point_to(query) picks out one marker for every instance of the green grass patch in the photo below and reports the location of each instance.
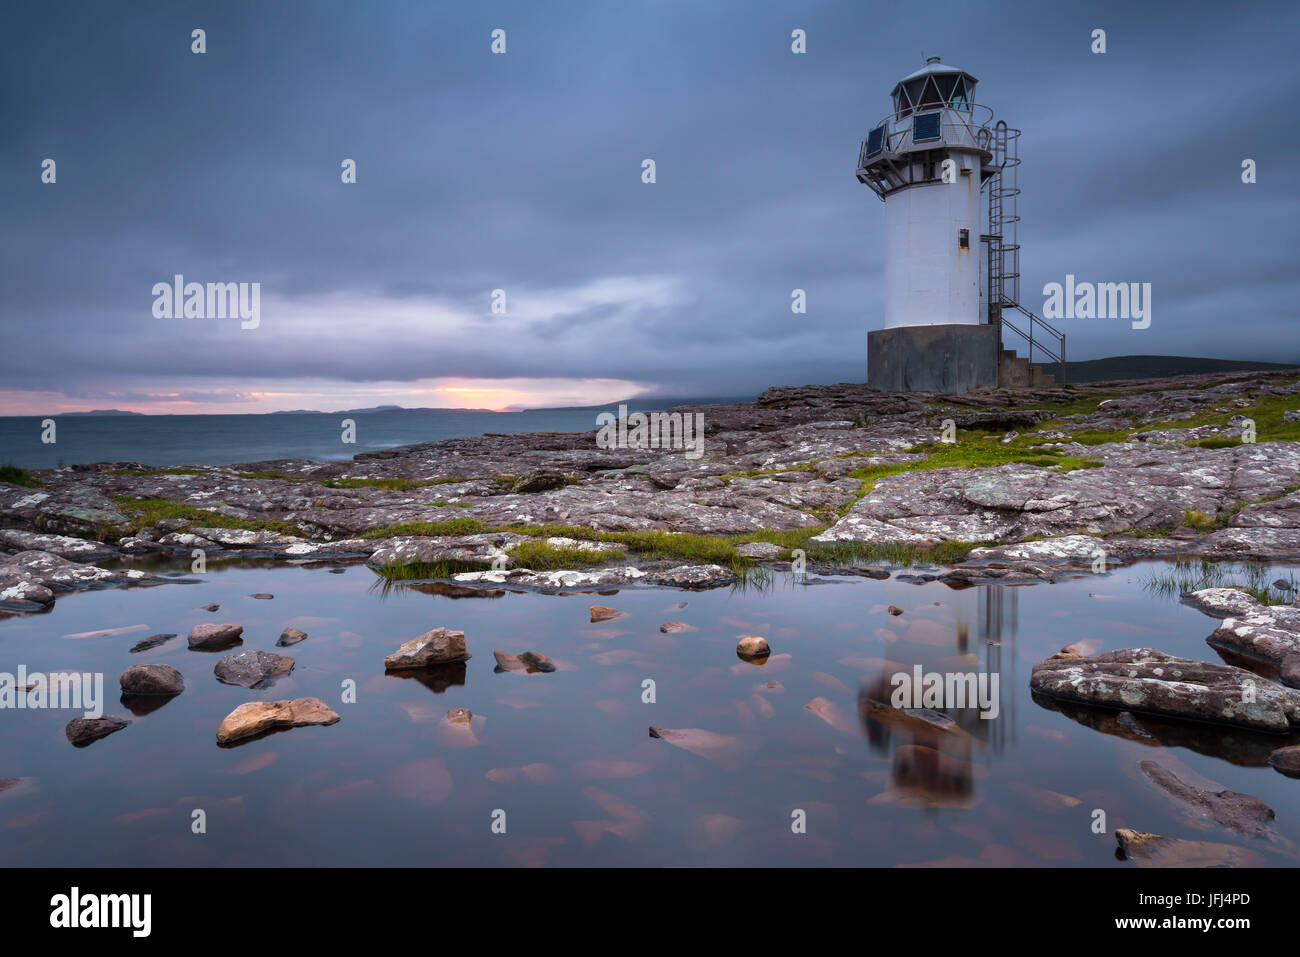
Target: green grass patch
(972, 450)
(1082, 436)
(541, 557)
(453, 526)
(854, 553)
(1267, 413)
(687, 547)
(144, 512)
(417, 571)
(1203, 521)
(11, 474)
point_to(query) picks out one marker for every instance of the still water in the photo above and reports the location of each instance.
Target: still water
(565, 758)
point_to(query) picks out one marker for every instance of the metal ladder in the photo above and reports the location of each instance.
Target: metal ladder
(1004, 250)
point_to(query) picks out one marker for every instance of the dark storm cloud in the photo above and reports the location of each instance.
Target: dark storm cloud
(522, 172)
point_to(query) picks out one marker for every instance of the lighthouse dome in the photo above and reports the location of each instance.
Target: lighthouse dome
(934, 86)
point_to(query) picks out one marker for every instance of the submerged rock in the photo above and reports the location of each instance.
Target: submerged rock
(84, 731)
(456, 729)
(1286, 760)
(439, 646)
(290, 636)
(1153, 850)
(255, 717)
(252, 669)
(152, 680)
(153, 641)
(730, 751)
(215, 637)
(1144, 679)
(833, 715)
(1241, 813)
(528, 661)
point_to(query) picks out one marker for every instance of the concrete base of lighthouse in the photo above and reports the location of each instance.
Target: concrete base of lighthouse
(952, 358)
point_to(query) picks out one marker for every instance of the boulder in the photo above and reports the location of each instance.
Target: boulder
(84, 731)
(1268, 633)
(437, 647)
(1148, 680)
(256, 717)
(151, 680)
(252, 669)
(215, 637)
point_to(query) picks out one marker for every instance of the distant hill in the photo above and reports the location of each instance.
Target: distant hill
(1154, 367)
(104, 412)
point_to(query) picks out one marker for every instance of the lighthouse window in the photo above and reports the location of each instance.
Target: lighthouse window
(963, 239)
(925, 126)
(930, 96)
(876, 140)
(959, 98)
(912, 90)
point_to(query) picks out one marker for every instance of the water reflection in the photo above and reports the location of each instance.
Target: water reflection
(1238, 746)
(934, 750)
(437, 678)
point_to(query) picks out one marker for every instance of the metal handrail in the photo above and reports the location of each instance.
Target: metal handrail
(1057, 357)
(893, 139)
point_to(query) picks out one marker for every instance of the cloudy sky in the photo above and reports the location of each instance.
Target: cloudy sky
(522, 172)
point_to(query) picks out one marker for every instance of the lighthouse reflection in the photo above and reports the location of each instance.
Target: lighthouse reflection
(935, 707)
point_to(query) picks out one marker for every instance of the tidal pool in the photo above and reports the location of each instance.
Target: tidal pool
(565, 760)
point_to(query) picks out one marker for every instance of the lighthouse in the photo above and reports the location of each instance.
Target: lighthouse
(946, 174)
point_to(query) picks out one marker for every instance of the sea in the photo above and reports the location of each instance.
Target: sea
(182, 440)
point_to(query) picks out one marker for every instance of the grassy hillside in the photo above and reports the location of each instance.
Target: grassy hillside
(1150, 367)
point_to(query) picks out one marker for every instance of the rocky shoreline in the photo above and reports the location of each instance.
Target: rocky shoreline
(1042, 482)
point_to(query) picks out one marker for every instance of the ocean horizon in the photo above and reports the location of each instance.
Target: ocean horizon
(169, 441)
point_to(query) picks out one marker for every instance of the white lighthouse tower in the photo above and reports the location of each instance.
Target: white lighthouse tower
(948, 281)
